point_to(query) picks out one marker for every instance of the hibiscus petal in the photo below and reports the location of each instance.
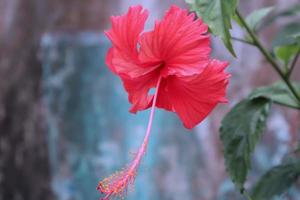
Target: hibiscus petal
(194, 97)
(163, 98)
(122, 58)
(180, 41)
(138, 89)
(126, 30)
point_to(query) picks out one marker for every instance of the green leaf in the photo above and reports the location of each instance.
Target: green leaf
(240, 131)
(217, 14)
(257, 16)
(286, 43)
(199, 6)
(286, 53)
(287, 35)
(276, 181)
(278, 93)
(289, 12)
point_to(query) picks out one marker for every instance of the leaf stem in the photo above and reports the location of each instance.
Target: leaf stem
(291, 68)
(242, 40)
(246, 195)
(269, 58)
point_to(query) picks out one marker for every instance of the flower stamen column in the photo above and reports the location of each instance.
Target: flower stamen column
(118, 183)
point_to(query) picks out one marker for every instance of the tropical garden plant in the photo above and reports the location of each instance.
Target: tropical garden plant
(243, 126)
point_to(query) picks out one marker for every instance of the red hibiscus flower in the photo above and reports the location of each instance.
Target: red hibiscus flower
(174, 58)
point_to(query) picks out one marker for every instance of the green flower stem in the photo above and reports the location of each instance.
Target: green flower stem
(293, 64)
(246, 195)
(269, 58)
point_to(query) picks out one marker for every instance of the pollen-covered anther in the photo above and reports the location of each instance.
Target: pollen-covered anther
(117, 183)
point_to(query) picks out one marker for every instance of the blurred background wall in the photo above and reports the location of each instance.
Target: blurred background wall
(63, 116)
